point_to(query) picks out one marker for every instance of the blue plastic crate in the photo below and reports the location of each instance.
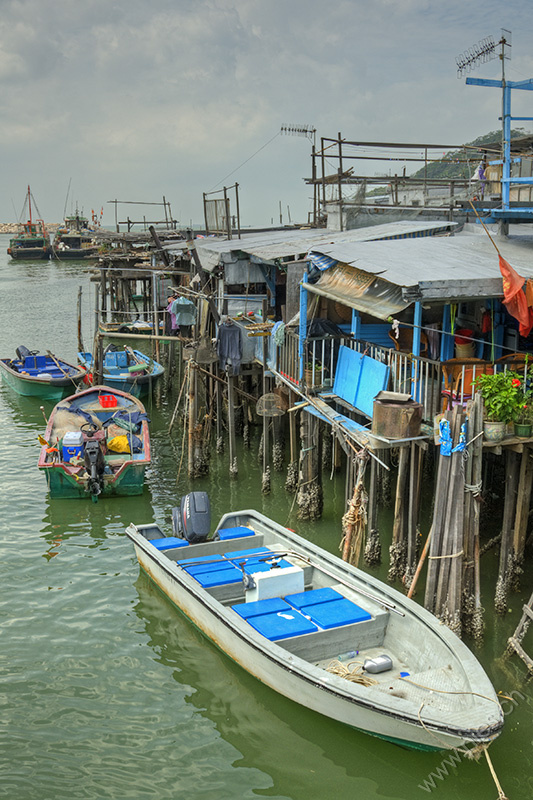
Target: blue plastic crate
(168, 543)
(313, 597)
(336, 613)
(282, 624)
(235, 533)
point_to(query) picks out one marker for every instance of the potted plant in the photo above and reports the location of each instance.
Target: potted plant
(313, 373)
(503, 394)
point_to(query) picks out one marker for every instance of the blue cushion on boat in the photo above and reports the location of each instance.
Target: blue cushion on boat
(282, 624)
(235, 533)
(254, 551)
(168, 542)
(218, 577)
(336, 612)
(184, 561)
(260, 607)
(210, 566)
(313, 597)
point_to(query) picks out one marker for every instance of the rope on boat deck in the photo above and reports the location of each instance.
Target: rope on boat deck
(355, 675)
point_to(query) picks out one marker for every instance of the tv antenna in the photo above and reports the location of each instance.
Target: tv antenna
(482, 52)
(309, 131)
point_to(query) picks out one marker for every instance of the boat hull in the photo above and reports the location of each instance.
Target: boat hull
(61, 484)
(35, 386)
(135, 384)
(75, 253)
(289, 675)
(30, 253)
(122, 473)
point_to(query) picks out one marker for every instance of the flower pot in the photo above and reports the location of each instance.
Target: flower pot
(312, 377)
(493, 431)
(522, 429)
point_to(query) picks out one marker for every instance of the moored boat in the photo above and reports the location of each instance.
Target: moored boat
(320, 631)
(44, 376)
(74, 239)
(128, 370)
(33, 242)
(96, 443)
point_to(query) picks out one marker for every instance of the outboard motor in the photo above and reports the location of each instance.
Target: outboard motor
(23, 352)
(94, 459)
(192, 520)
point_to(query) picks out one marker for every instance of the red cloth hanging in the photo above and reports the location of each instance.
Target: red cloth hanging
(514, 299)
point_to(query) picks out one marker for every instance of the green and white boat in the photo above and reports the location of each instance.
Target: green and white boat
(96, 444)
(44, 376)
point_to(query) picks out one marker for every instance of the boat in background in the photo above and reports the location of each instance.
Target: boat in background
(33, 242)
(128, 370)
(44, 376)
(96, 444)
(75, 239)
(318, 630)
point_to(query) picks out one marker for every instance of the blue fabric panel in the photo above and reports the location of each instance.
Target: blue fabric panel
(168, 543)
(282, 625)
(374, 379)
(312, 597)
(219, 577)
(260, 607)
(235, 533)
(235, 554)
(336, 612)
(347, 374)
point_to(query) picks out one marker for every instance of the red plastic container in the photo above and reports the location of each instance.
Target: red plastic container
(463, 336)
(107, 400)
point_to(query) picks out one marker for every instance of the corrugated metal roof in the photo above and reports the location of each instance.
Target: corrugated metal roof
(409, 262)
(296, 243)
(346, 285)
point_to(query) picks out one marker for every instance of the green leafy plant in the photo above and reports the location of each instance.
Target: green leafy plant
(504, 395)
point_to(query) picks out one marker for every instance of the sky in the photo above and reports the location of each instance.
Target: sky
(138, 99)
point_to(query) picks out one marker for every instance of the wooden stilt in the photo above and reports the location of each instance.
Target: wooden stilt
(506, 546)
(398, 546)
(233, 466)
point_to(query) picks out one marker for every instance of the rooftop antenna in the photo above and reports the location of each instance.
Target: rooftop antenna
(481, 53)
(309, 131)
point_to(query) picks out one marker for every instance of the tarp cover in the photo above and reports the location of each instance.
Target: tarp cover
(360, 290)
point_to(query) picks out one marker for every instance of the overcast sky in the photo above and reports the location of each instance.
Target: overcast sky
(136, 99)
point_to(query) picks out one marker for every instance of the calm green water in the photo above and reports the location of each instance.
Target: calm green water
(107, 692)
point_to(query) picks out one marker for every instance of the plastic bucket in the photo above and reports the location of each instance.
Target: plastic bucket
(463, 336)
(464, 350)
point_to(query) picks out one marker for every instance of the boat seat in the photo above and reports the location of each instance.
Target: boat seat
(118, 358)
(35, 362)
(234, 533)
(168, 543)
(283, 623)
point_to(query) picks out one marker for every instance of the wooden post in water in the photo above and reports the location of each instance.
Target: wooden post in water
(506, 547)
(412, 512)
(522, 515)
(291, 482)
(373, 543)
(309, 498)
(265, 483)
(398, 548)
(233, 466)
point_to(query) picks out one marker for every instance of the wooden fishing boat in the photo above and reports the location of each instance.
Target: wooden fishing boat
(33, 242)
(96, 443)
(322, 632)
(74, 239)
(42, 376)
(128, 370)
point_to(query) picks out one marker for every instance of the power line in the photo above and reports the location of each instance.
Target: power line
(244, 162)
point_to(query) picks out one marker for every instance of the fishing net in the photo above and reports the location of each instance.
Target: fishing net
(270, 405)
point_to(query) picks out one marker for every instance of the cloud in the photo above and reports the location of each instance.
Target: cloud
(169, 96)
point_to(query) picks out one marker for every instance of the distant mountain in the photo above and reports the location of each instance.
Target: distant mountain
(450, 165)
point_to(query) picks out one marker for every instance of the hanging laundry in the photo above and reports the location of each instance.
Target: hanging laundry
(184, 311)
(229, 346)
